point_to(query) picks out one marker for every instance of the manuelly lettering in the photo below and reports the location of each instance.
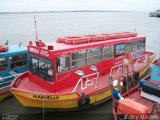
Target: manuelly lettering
(46, 97)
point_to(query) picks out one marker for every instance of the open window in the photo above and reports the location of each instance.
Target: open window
(63, 64)
(79, 58)
(3, 64)
(119, 49)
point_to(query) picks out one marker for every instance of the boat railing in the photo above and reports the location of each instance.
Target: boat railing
(86, 81)
(7, 83)
(143, 59)
(118, 70)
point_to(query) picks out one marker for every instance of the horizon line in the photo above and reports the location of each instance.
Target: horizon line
(50, 11)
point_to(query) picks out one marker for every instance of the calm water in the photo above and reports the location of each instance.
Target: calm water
(20, 28)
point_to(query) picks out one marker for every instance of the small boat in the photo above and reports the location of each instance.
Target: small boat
(13, 61)
(155, 14)
(142, 102)
(71, 73)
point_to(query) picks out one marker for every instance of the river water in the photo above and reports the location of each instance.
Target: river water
(20, 28)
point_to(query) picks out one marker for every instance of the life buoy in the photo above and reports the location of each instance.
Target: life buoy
(84, 102)
(3, 48)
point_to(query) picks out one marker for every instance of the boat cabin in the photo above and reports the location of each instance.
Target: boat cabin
(13, 61)
(54, 65)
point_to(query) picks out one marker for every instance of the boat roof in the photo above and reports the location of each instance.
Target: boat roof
(13, 50)
(64, 46)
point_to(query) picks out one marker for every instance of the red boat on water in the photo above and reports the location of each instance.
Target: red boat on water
(72, 73)
(142, 102)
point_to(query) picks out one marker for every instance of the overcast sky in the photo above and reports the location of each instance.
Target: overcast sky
(60, 5)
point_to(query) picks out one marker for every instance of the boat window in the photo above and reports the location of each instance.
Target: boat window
(119, 49)
(42, 67)
(128, 47)
(141, 44)
(3, 64)
(63, 64)
(135, 45)
(107, 52)
(33, 66)
(46, 70)
(94, 55)
(18, 60)
(79, 58)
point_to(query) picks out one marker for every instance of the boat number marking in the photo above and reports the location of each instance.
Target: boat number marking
(46, 97)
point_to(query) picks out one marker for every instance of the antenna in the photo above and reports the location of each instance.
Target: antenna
(35, 23)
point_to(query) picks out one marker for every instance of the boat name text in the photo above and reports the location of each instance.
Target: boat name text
(37, 51)
(46, 97)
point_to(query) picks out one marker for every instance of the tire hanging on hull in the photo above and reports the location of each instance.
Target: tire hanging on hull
(84, 101)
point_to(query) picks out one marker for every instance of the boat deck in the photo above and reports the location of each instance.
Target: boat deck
(30, 86)
(153, 106)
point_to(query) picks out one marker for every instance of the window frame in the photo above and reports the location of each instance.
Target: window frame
(84, 59)
(142, 44)
(69, 64)
(115, 51)
(106, 53)
(129, 46)
(48, 77)
(88, 56)
(19, 61)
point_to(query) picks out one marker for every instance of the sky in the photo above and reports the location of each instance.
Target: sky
(68, 5)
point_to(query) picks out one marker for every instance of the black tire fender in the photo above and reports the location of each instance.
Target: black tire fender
(84, 101)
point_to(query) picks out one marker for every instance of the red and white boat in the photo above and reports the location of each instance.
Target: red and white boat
(72, 73)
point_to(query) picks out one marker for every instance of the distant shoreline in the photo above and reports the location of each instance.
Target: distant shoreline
(62, 11)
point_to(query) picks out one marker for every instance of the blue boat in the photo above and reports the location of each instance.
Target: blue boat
(13, 61)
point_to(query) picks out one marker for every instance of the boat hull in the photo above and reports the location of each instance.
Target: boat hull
(63, 102)
(5, 95)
